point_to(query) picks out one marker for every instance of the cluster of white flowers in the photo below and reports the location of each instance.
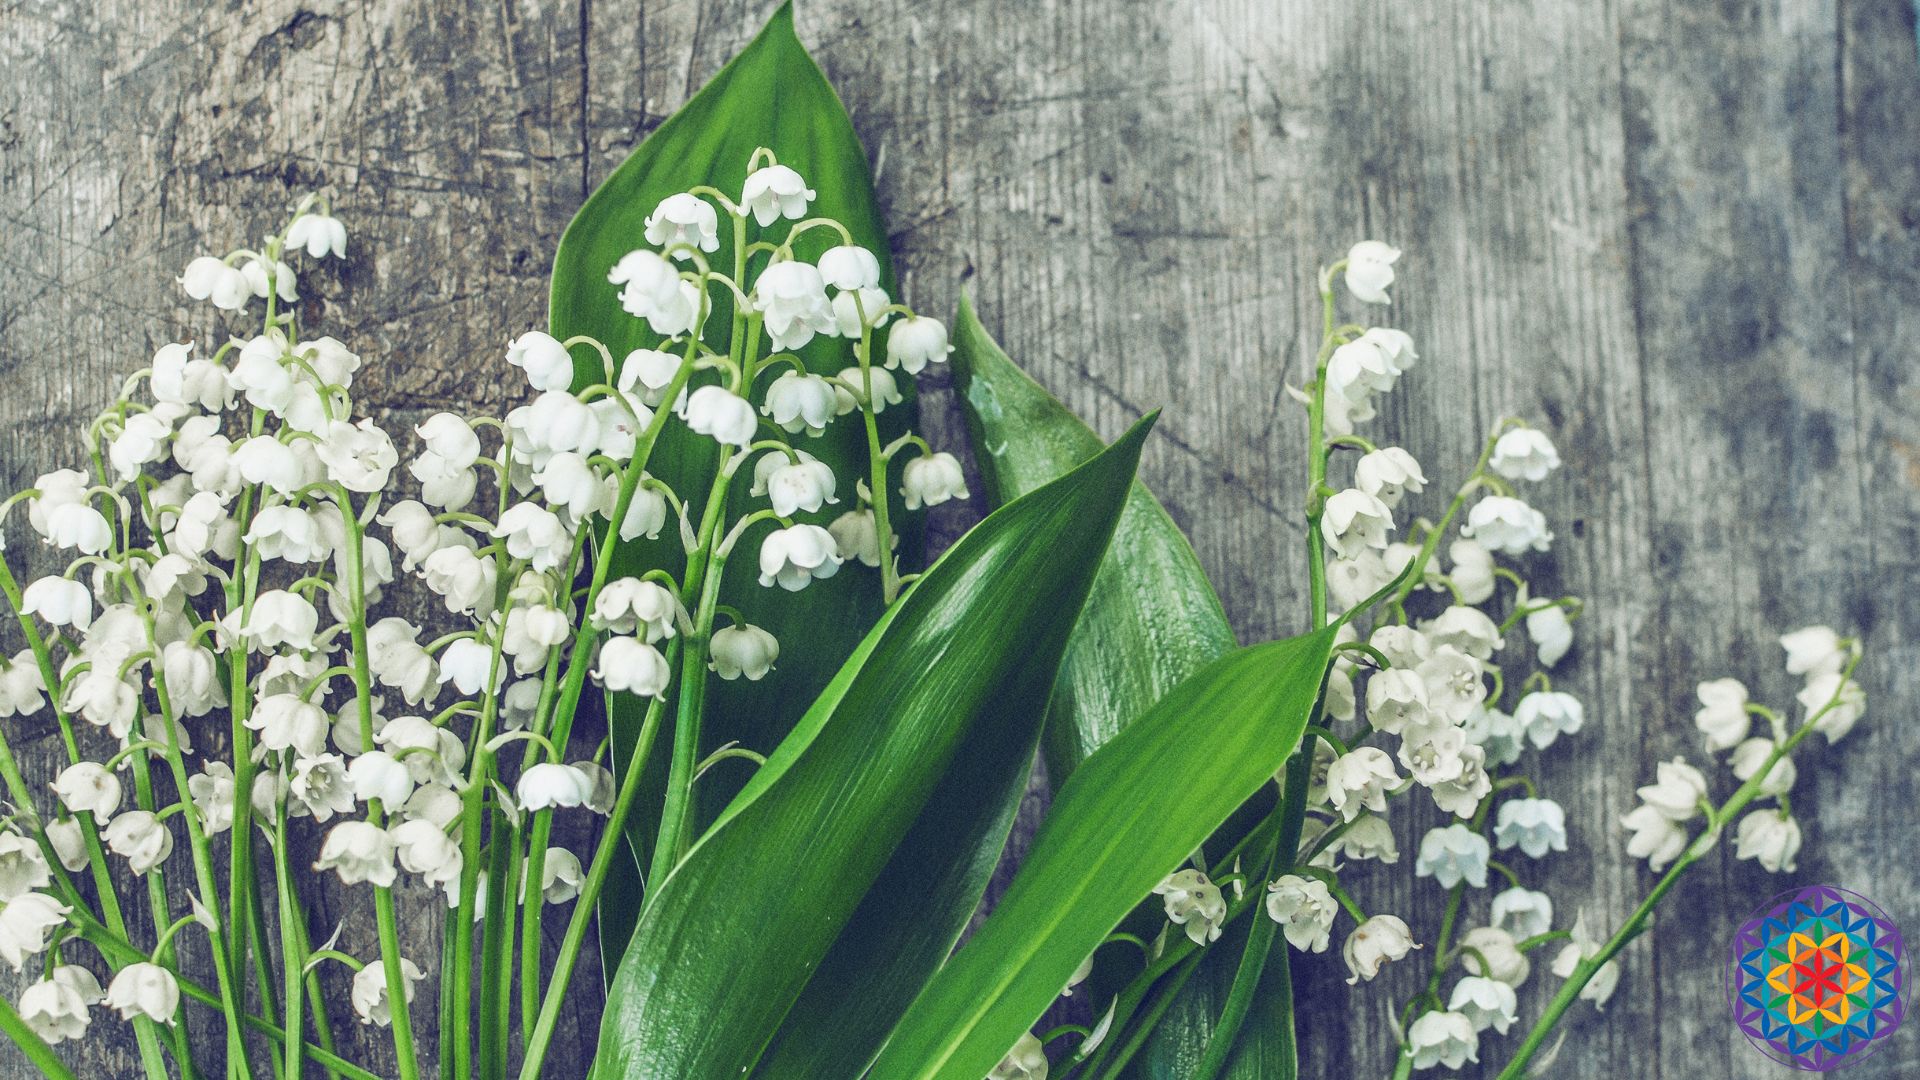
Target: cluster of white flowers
(1831, 703)
(241, 525)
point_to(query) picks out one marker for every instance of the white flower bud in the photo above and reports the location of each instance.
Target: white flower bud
(425, 849)
(377, 774)
(22, 867)
(1849, 703)
(743, 650)
(1026, 1061)
(437, 755)
(560, 876)
(1495, 955)
(1656, 837)
(212, 792)
(856, 535)
(1677, 791)
(22, 687)
(1814, 650)
(69, 844)
(857, 311)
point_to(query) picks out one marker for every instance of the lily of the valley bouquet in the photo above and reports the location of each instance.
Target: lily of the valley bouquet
(648, 660)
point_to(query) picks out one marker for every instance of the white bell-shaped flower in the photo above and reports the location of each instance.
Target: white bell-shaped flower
(1353, 521)
(743, 650)
(87, 787)
(208, 278)
(545, 360)
(144, 989)
(320, 234)
(1375, 943)
(886, 389)
(722, 414)
(1388, 474)
(1370, 270)
(1546, 715)
(1452, 855)
(800, 403)
(1194, 904)
(59, 601)
(651, 289)
(1522, 913)
(560, 876)
(797, 555)
(1358, 780)
(793, 298)
(932, 479)
(1771, 836)
(629, 665)
(1535, 826)
(359, 851)
(1443, 1038)
(22, 867)
(1507, 525)
(550, 784)
(915, 342)
(684, 218)
(377, 774)
(1723, 716)
(1305, 910)
(57, 1008)
(632, 605)
(425, 849)
(773, 192)
(141, 838)
(850, 267)
(1838, 701)
(369, 994)
(1524, 454)
(1814, 650)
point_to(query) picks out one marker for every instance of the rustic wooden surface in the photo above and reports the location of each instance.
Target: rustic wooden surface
(1684, 237)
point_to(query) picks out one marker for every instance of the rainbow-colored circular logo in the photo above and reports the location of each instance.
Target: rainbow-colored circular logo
(1817, 978)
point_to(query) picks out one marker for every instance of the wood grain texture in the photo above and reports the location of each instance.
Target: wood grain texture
(1683, 237)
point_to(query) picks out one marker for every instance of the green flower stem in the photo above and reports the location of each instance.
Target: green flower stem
(240, 593)
(876, 464)
(1636, 923)
(675, 820)
(1431, 543)
(403, 1048)
(293, 956)
(32, 1045)
(541, 1033)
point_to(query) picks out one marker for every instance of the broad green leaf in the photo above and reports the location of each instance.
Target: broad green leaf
(1151, 621)
(771, 95)
(1132, 812)
(958, 671)
(1152, 618)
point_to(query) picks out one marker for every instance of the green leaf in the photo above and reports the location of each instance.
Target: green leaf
(1151, 621)
(865, 790)
(1128, 816)
(771, 95)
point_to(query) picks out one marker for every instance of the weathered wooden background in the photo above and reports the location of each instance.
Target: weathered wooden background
(1683, 236)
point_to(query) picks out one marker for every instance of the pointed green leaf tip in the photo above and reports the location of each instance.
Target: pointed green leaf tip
(742, 937)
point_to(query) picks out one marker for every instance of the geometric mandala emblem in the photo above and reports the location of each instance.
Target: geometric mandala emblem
(1817, 978)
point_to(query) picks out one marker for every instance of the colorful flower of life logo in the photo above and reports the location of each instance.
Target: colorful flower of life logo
(1818, 978)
